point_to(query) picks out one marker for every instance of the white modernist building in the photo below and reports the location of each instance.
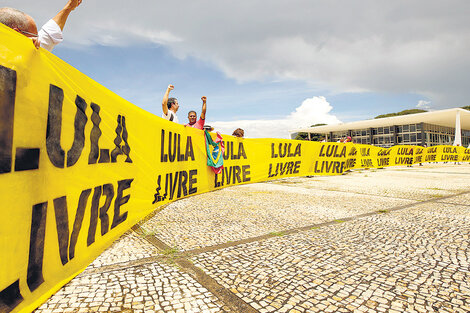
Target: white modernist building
(443, 127)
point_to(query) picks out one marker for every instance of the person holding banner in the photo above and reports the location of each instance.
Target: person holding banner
(240, 133)
(192, 116)
(170, 106)
(50, 34)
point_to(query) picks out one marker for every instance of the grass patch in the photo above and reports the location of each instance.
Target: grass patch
(383, 211)
(339, 221)
(314, 227)
(171, 254)
(145, 232)
(277, 233)
(170, 251)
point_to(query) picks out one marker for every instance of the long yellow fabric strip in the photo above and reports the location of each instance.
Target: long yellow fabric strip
(79, 166)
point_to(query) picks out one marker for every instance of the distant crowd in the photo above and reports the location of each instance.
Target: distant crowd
(51, 35)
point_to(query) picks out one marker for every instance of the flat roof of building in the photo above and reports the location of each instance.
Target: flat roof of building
(442, 118)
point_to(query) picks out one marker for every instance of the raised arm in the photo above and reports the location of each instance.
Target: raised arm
(62, 16)
(203, 112)
(165, 99)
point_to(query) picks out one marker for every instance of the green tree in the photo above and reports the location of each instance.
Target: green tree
(404, 112)
(313, 136)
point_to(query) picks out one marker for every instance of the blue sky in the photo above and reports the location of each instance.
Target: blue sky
(271, 66)
(142, 74)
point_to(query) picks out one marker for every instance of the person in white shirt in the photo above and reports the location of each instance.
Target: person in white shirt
(50, 34)
(170, 106)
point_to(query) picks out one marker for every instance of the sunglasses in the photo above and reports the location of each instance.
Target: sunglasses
(28, 34)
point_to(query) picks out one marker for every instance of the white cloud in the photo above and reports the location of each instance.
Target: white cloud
(399, 46)
(422, 104)
(312, 111)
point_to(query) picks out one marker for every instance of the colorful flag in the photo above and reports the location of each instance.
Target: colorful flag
(215, 150)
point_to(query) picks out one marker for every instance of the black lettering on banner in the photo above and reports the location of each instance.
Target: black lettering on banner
(192, 180)
(352, 152)
(183, 181)
(172, 183)
(157, 197)
(241, 150)
(67, 244)
(172, 151)
(236, 174)
(7, 111)
(383, 162)
(284, 150)
(121, 135)
(446, 157)
(182, 185)
(95, 202)
(79, 134)
(350, 163)
(95, 135)
(54, 128)
(405, 151)
(281, 152)
(229, 152)
(329, 167)
(10, 297)
(228, 174)
(285, 168)
(332, 151)
(120, 200)
(163, 155)
(26, 158)
(384, 152)
(404, 160)
(36, 246)
(77, 224)
(189, 149)
(172, 156)
(62, 225)
(108, 191)
(365, 152)
(246, 172)
(231, 175)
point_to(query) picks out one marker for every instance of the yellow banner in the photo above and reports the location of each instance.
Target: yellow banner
(79, 166)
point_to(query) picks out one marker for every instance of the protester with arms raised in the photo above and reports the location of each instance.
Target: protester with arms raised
(170, 106)
(192, 116)
(50, 34)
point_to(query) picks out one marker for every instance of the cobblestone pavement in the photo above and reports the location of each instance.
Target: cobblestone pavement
(392, 240)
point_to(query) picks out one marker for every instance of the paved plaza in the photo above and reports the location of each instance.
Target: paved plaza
(385, 240)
